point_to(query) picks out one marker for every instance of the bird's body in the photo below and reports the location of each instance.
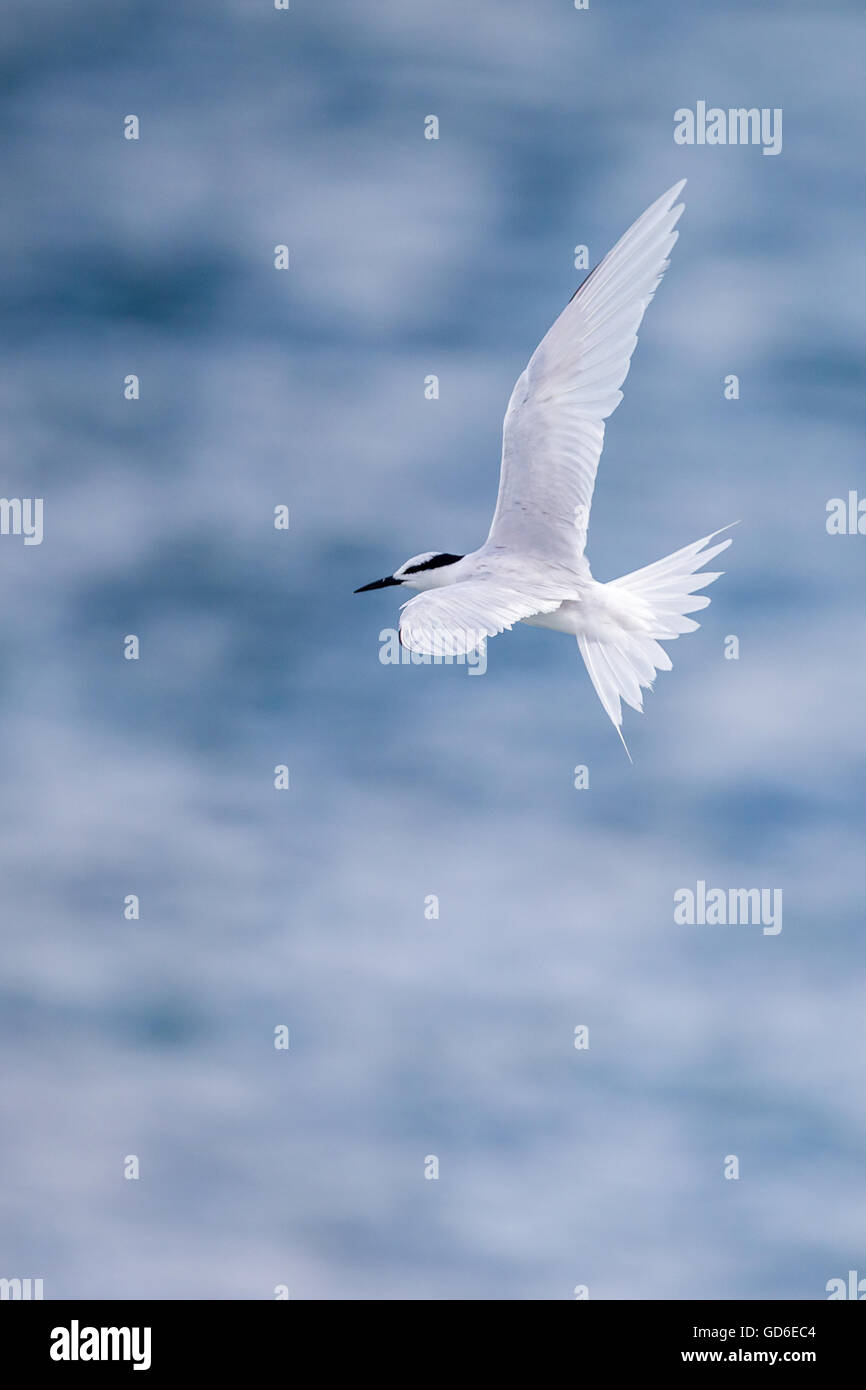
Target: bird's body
(532, 568)
(596, 613)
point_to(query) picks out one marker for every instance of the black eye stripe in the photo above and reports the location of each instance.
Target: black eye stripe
(434, 564)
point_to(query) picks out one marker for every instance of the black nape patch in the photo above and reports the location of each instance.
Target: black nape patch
(434, 564)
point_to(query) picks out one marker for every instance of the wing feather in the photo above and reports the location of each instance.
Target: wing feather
(457, 618)
(554, 425)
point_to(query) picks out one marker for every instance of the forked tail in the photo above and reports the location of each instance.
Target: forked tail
(653, 603)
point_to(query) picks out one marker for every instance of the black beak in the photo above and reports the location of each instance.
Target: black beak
(379, 584)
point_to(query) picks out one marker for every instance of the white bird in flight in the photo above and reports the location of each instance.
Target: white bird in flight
(532, 568)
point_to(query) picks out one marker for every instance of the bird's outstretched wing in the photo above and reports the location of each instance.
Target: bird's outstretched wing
(456, 619)
(554, 425)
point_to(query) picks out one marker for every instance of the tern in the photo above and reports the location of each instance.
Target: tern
(533, 568)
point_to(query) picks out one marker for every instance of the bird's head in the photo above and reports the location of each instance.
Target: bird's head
(428, 571)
